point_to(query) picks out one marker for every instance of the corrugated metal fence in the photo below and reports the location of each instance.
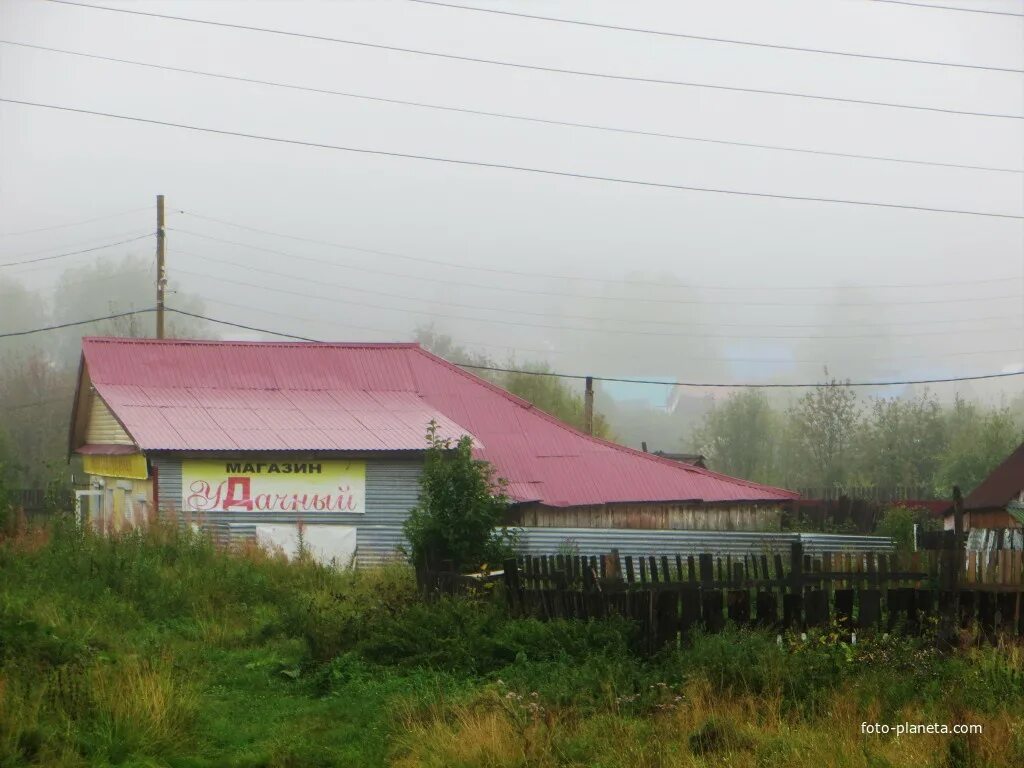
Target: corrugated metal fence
(379, 543)
(644, 543)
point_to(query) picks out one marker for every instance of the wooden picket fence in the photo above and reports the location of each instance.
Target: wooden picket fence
(668, 596)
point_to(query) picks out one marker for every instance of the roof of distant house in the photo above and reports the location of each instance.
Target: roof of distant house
(697, 459)
(1002, 486)
(177, 395)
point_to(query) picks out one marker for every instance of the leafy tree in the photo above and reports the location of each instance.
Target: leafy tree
(552, 395)
(740, 437)
(461, 503)
(900, 441)
(444, 346)
(821, 433)
(549, 393)
(898, 523)
(977, 442)
(35, 398)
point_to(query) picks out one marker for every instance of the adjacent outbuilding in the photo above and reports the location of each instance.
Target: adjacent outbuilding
(249, 439)
(998, 501)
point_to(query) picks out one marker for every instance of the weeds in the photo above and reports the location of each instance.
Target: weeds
(159, 648)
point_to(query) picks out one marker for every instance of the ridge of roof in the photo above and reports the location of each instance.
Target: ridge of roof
(601, 441)
(226, 343)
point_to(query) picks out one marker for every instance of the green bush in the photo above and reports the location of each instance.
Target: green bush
(461, 503)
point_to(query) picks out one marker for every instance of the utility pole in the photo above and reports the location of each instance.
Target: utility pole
(161, 277)
(588, 406)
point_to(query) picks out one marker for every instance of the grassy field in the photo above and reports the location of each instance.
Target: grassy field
(157, 649)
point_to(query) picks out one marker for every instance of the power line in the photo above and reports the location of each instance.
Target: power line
(759, 360)
(540, 68)
(74, 323)
(637, 381)
(320, 320)
(74, 253)
(644, 299)
(511, 116)
(91, 240)
(71, 223)
(546, 275)
(242, 326)
(950, 8)
(517, 168)
(513, 370)
(702, 38)
(321, 282)
(613, 331)
(752, 386)
(120, 273)
(33, 404)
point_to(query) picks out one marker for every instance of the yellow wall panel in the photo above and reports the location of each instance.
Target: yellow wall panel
(131, 466)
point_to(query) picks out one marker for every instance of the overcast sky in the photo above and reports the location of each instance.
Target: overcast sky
(772, 265)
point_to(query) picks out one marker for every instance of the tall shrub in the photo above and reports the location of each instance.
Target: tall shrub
(461, 503)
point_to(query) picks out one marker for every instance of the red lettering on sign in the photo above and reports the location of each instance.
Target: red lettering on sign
(238, 494)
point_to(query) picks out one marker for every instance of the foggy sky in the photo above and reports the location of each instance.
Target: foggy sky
(771, 255)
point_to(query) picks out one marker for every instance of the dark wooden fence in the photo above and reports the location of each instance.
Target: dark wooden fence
(670, 595)
(29, 499)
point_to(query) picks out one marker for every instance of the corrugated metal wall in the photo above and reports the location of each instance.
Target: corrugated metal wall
(643, 543)
(392, 488)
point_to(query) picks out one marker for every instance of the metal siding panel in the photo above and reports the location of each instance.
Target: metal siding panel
(392, 489)
(642, 543)
(168, 482)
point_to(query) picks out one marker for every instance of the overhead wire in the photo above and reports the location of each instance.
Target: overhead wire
(74, 323)
(78, 281)
(548, 275)
(74, 223)
(644, 299)
(511, 116)
(640, 321)
(33, 404)
(890, 383)
(256, 329)
(613, 331)
(75, 253)
(320, 320)
(950, 8)
(708, 39)
(516, 168)
(541, 68)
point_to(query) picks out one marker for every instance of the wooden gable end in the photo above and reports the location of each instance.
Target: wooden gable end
(101, 427)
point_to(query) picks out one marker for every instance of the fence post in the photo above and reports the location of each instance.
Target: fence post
(512, 593)
(795, 599)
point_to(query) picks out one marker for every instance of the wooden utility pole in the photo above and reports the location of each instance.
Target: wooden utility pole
(161, 277)
(588, 406)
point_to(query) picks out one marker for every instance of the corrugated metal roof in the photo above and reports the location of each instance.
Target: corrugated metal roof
(199, 395)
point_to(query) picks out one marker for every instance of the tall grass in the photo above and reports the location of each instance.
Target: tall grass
(157, 647)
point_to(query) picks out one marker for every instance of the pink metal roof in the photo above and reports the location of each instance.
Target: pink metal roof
(272, 396)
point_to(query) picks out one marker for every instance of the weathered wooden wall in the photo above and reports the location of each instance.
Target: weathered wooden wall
(671, 516)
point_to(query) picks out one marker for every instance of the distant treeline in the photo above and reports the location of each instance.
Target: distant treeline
(830, 438)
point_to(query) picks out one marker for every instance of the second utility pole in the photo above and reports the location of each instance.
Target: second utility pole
(588, 406)
(161, 279)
